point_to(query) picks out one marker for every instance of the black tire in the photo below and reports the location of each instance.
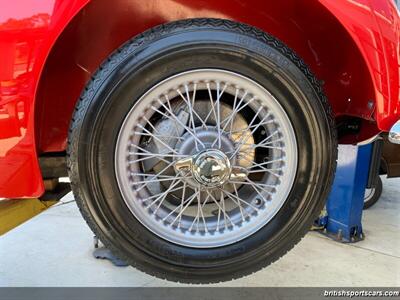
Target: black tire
(153, 56)
(374, 194)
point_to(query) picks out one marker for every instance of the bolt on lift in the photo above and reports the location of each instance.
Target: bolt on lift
(357, 170)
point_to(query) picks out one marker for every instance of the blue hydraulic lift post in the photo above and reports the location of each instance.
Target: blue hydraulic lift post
(342, 219)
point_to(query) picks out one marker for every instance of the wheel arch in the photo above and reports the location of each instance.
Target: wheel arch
(310, 29)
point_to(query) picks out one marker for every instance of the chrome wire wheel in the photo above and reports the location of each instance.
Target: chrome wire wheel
(206, 158)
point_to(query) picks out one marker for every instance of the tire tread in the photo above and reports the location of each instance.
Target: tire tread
(118, 57)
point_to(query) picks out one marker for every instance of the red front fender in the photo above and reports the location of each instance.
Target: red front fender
(375, 27)
(29, 29)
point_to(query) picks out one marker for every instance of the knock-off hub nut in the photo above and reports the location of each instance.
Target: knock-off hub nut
(210, 168)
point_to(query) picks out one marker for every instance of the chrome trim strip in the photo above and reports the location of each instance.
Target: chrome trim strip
(370, 140)
(394, 133)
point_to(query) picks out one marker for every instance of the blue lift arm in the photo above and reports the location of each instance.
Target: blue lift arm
(341, 219)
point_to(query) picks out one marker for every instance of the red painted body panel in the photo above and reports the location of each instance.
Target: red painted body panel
(28, 29)
(375, 27)
(35, 120)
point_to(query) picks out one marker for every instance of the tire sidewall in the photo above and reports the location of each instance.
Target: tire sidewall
(149, 63)
(376, 194)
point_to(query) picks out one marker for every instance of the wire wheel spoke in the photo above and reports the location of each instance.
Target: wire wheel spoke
(205, 158)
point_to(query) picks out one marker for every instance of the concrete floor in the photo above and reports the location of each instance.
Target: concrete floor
(55, 249)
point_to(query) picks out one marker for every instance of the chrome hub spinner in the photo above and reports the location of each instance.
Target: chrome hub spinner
(210, 168)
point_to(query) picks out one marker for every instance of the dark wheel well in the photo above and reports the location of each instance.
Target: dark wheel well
(85, 43)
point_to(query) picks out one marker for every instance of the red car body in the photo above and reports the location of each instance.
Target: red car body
(49, 49)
